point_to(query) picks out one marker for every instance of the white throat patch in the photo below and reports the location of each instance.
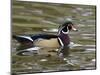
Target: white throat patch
(66, 32)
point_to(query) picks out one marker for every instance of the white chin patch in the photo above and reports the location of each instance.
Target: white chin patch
(65, 32)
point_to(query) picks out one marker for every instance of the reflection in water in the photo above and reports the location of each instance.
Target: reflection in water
(64, 52)
(27, 50)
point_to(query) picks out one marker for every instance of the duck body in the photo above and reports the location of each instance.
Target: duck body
(53, 42)
(44, 40)
(47, 40)
(40, 40)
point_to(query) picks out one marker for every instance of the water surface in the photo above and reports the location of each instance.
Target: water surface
(33, 18)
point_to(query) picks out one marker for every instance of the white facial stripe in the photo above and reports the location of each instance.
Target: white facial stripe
(27, 37)
(60, 42)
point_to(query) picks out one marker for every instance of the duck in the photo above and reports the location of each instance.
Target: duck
(60, 40)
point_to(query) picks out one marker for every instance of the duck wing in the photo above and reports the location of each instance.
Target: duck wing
(31, 38)
(43, 36)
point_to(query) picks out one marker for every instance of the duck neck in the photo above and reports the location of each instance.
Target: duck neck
(63, 38)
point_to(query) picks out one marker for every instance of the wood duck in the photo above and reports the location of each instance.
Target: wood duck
(47, 40)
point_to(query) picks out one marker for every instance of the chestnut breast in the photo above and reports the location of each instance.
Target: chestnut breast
(64, 38)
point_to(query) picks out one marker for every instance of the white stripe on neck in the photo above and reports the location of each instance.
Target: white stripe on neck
(65, 32)
(60, 42)
(60, 30)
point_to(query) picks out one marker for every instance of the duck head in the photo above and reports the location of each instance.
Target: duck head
(63, 33)
(66, 27)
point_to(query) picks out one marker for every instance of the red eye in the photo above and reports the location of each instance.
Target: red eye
(69, 27)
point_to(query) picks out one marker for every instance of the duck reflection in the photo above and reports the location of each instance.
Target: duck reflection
(64, 52)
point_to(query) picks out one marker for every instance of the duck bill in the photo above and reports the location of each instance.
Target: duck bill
(74, 29)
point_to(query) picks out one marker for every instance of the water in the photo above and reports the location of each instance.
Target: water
(33, 18)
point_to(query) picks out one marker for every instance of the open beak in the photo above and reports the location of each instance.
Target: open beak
(74, 29)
